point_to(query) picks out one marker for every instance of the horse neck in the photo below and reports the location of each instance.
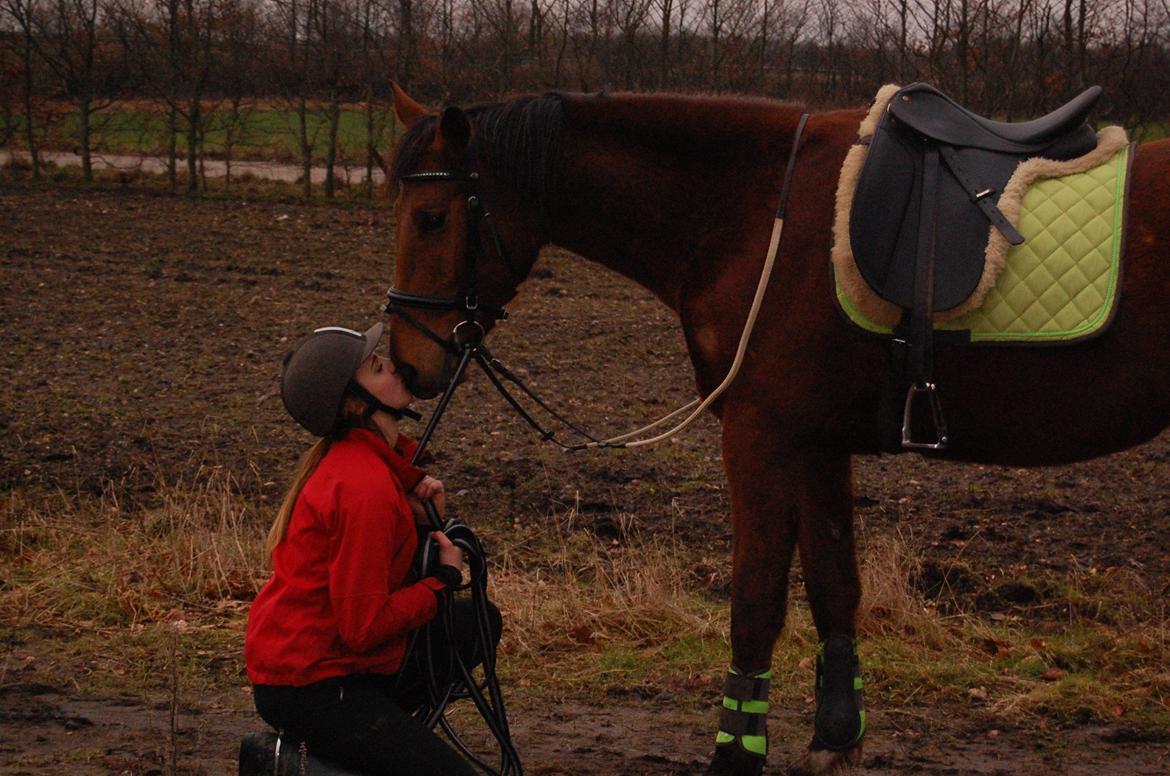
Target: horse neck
(650, 185)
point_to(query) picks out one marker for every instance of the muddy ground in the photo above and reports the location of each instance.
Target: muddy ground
(140, 338)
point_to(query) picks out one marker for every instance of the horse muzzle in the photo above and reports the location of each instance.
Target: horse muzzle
(409, 375)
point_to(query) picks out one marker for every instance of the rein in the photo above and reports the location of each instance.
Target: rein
(469, 348)
(460, 683)
(488, 698)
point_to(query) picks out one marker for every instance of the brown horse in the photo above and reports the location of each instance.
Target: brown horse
(678, 194)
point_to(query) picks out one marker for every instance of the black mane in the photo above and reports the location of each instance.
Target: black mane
(519, 141)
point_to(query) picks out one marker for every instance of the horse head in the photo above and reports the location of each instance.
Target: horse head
(473, 188)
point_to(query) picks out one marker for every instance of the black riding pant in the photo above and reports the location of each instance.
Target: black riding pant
(364, 722)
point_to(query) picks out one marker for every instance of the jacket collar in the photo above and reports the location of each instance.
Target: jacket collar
(397, 458)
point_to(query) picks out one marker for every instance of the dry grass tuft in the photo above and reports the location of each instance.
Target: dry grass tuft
(105, 586)
(601, 610)
(891, 606)
(86, 560)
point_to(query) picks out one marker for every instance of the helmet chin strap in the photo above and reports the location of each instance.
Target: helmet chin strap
(373, 404)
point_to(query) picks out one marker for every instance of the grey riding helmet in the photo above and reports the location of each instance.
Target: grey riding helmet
(317, 372)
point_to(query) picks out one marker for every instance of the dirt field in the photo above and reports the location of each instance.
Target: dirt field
(140, 338)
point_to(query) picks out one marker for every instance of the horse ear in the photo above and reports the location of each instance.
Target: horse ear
(455, 129)
(407, 110)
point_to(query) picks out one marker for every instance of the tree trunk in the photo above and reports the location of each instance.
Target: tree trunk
(172, 146)
(84, 106)
(192, 145)
(664, 46)
(30, 133)
(229, 140)
(306, 150)
(371, 141)
(331, 146)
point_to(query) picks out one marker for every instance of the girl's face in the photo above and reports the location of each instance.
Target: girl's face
(378, 376)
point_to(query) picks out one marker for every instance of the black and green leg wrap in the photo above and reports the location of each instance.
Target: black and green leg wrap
(743, 716)
(840, 717)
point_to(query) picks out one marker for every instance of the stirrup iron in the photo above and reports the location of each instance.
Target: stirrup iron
(937, 421)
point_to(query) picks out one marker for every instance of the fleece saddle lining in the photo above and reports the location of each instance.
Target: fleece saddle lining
(870, 311)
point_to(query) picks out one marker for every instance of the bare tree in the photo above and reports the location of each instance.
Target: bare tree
(172, 45)
(66, 35)
(24, 54)
(329, 50)
(503, 19)
(238, 82)
(726, 22)
(630, 18)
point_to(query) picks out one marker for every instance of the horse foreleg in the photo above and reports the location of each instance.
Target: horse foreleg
(765, 491)
(829, 563)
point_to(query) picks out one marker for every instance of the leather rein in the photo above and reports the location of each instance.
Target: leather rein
(466, 340)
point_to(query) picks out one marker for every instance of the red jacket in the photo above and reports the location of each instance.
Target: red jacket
(341, 598)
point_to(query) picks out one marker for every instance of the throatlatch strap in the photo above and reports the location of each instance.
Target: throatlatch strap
(743, 717)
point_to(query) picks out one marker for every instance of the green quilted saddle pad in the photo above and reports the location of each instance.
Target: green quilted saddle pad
(1061, 284)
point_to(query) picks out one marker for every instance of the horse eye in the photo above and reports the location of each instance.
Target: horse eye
(429, 221)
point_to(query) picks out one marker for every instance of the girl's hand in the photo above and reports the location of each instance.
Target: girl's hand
(449, 554)
(430, 488)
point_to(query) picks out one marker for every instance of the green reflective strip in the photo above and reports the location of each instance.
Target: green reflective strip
(723, 738)
(755, 744)
(747, 707)
(862, 733)
(857, 683)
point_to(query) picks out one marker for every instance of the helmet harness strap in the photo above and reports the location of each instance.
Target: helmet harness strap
(374, 404)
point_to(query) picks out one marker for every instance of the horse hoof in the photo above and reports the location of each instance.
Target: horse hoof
(733, 761)
(824, 762)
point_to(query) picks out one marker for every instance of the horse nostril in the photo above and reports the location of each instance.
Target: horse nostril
(408, 374)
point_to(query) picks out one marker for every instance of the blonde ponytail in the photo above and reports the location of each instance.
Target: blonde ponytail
(349, 416)
(305, 469)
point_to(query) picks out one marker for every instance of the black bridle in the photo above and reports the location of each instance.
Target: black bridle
(467, 298)
(468, 345)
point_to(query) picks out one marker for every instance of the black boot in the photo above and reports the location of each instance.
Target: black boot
(840, 717)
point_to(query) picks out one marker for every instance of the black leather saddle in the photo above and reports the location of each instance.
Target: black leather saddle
(926, 196)
(978, 156)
